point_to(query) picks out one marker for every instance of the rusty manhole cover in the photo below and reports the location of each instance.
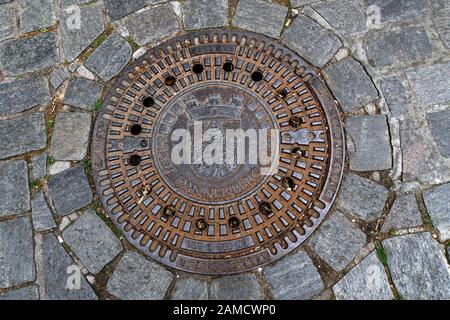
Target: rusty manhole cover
(213, 218)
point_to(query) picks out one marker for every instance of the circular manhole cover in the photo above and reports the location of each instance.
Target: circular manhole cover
(200, 214)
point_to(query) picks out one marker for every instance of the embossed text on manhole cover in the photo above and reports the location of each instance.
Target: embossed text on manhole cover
(218, 217)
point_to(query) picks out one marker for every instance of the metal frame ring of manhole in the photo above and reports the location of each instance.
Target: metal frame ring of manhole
(217, 218)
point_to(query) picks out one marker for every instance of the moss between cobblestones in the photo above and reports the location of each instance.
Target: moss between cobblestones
(97, 105)
(132, 43)
(381, 253)
(50, 160)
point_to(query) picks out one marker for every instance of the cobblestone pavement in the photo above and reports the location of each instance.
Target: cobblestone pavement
(388, 235)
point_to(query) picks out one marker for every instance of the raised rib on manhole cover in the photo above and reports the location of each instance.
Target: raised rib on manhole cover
(217, 218)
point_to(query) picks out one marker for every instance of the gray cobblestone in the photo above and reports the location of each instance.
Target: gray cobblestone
(403, 214)
(345, 16)
(240, 287)
(58, 267)
(15, 97)
(205, 13)
(294, 278)
(41, 215)
(58, 76)
(397, 10)
(430, 84)
(437, 201)
(439, 123)
(361, 197)
(92, 241)
(442, 24)
(82, 93)
(16, 252)
(385, 48)
(119, 9)
(23, 134)
(14, 188)
(136, 278)
(70, 190)
(396, 97)
(153, 25)
(337, 241)
(418, 267)
(110, 57)
(76, 40)
(36, 14)
(190, 289)
(39, 166)
(8, 25)
(366, 281)
(317, 45)
(368, 143)
(350, 84)
(70, 138)
(260, 16)
(29, 54)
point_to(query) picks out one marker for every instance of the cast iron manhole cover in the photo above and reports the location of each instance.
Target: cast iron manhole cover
(214, 218)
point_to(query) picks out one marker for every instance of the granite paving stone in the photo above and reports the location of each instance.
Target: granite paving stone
(29, 54)
(153, 25)
(439, 123)
(396, 97)
(239, 287)
(416, 147)
(345, 16)
(61, 274)
(350, 84)
(385, 48)
(403, 214)
(82, 93)
(36, 14)
(418, 267)
(398, 10)
(298, 3)
(440, 4)
(22, 294)
(437, 201)
(441, 21)
(368, 143)
(119, 9)
(430, 84)
(39, 166)
(190, 289)
(92, 241)
(294, 278)
(337, 241)
(110, 57)
(8, 25)
(316, 44)
(70, 138)
(41, 214)
(58, 76)
(70, 190)
(362, 197)
(260, 16)
(137, 278)
(205, 14)
(23, 134)
(15, 97)
(16, 252)
(14, 188)
(366, 281)
(76, 37)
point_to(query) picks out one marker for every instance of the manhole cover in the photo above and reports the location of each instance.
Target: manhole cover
(204, 216)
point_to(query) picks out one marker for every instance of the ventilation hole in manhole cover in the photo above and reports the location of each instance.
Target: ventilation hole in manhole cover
(231, 214)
